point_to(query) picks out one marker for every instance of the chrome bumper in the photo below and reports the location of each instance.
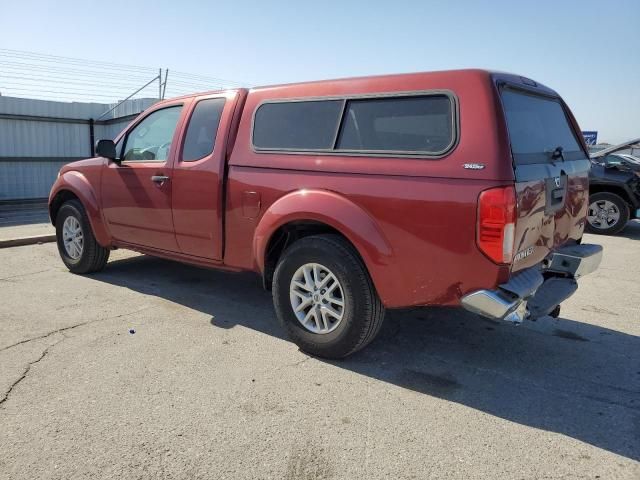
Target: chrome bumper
(536, 292)
(576, 260)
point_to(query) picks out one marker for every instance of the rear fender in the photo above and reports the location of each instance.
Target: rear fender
(335, 211)
(76, 183)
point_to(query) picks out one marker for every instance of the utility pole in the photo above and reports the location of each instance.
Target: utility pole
(164, 85)
(122, 101)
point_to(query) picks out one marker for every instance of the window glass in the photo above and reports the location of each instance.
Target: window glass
(202, 129)
(409, 124)
(150, 140)
(613, 160)
(537, 127)
(308, 125)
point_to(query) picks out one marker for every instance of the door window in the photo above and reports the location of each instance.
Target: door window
(150, 140)
(202, 129)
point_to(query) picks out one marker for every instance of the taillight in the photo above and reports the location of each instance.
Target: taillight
(497, 223)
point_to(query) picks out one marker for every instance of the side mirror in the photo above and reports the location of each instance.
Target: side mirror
(106, 149)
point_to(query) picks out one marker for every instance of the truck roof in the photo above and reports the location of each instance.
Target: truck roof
(432, 76)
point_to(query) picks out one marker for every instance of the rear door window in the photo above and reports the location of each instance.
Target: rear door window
(203, 127)
(538, 127)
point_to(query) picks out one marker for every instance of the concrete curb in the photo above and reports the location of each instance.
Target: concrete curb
(18, 242)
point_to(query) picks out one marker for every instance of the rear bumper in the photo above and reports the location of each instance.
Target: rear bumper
(536, 292)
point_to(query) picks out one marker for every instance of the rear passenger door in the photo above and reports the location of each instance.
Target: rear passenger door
(198, 177)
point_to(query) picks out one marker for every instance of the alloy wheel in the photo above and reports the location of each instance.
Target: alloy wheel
(603, 214)
(73, 237)
(317, 298)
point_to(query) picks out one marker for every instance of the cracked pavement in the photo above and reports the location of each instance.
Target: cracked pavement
(208, 387)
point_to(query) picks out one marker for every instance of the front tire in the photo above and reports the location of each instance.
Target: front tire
(324, 297)
(77, 245)
(608, 213)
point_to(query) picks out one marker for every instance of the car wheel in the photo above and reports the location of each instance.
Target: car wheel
(324, 297)
(78, 248)
(608, 213)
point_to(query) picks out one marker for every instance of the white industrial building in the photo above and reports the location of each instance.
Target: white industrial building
(37, 137)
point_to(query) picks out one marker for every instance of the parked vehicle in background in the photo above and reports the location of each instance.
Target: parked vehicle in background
(626, 160)
(459, 188)
(621, 161)
(614, 190)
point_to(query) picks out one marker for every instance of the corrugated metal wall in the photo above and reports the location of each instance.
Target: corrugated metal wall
(37, 137)
(28, 138)
(21, 180)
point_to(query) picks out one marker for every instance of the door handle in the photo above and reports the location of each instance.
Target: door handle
(557, 195)
(159, 179)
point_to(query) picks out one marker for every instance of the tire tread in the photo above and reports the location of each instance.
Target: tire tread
(95, 256)
(373, 315)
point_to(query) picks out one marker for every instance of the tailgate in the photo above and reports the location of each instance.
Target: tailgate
(551, 171)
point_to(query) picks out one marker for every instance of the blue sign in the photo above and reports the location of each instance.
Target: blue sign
(590, 138)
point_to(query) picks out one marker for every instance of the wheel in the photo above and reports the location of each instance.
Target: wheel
(608, 213)
(324, 297)
(77, 246)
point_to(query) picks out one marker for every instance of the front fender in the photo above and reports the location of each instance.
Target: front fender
(335, 211)
(76, 183)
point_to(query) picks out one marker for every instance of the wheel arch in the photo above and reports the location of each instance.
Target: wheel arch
(75, 186)
(308, 212)
(616, 190)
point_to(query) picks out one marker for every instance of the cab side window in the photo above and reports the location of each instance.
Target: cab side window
(150, 140)
(202, 129)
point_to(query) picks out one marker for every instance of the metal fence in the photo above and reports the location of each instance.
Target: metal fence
(37, 137)
(47, 103)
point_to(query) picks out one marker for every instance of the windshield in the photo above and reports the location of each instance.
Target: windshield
(538, 129)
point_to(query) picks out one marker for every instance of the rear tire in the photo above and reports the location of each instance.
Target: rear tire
(77, 245)
(608, 213)
(339, 312)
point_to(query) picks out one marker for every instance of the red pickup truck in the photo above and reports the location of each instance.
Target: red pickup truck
(460, 188)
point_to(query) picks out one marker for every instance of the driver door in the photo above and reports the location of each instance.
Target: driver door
(136, 192)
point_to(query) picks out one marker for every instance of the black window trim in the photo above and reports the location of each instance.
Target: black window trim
(455, 126)
(138, 122)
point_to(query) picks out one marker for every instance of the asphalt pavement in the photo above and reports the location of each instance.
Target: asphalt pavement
(153, 369)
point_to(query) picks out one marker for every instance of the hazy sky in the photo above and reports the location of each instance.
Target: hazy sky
(588, 51)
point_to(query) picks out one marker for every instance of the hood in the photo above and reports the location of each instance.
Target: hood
(87, 162)
(615, 148)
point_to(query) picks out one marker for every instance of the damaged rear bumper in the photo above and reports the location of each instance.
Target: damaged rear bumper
(536, 291)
